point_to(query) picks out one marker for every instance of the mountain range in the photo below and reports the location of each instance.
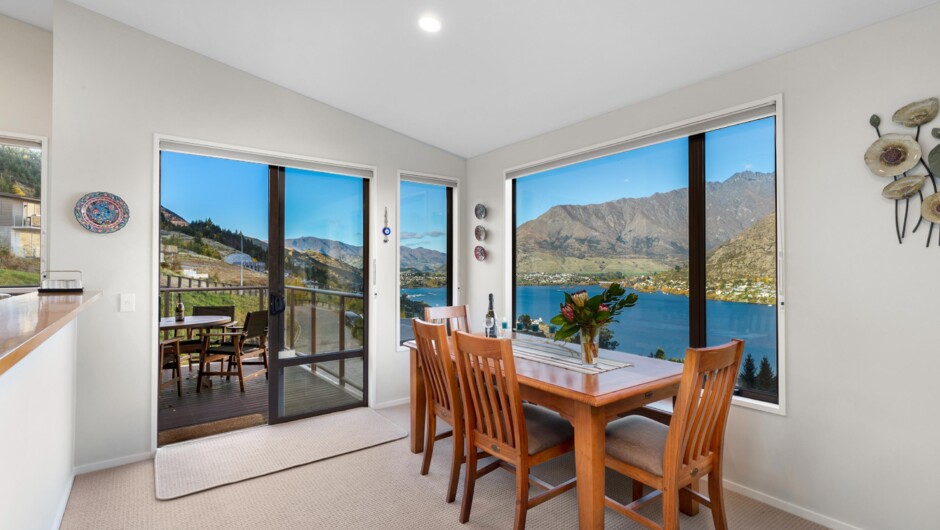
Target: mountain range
(650, 232)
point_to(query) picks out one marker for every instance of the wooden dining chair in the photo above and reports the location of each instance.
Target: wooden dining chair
(443, 396)
(192, 345)
(519, 435)
(454, 316)
(250, 342)
(670, 458)
(169, 359)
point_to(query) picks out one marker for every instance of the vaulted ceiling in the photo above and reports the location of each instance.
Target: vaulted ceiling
(499, 71)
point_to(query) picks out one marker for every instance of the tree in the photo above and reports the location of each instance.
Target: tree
(526, 321)
(749, 373)
(605, 339)
(660, 354)
(765, 375)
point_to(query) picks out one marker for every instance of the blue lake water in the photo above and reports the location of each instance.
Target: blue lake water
(658, 320)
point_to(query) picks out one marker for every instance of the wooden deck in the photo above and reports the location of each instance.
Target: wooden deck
(304, 392)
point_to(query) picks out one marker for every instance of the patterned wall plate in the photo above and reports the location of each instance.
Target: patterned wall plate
(480, 233)
(102, 212)
(479, 253)
(479, 211)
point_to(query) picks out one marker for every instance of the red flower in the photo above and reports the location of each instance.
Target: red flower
(568, 312)
(603, 308)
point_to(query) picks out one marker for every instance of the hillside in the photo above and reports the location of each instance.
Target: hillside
(639, 235)
(20, 171)
(350, 254)
(422, 259)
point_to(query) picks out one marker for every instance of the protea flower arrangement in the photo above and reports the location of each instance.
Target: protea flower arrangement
(580, 314)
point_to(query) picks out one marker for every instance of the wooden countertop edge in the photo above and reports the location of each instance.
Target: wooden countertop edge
(18, 353)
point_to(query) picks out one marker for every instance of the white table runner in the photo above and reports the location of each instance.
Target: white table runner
(565, 357)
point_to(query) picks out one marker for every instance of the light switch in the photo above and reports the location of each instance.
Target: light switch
(128, 302)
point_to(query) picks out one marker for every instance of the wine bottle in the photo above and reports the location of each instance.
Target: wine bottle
(490, 321)
(180, 308)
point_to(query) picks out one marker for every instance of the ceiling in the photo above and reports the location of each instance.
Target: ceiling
(499, 71)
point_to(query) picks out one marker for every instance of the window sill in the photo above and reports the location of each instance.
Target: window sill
(773, 408)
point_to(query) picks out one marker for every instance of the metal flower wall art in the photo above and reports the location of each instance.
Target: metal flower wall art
(894, 156)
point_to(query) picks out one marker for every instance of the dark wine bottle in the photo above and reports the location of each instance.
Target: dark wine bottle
(180, 309)
(490, 322)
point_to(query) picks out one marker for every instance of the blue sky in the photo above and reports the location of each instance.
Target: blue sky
(652, 169)
(234, 195)
(423, 216)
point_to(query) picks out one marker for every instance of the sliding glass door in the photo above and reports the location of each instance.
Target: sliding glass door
(319, 314)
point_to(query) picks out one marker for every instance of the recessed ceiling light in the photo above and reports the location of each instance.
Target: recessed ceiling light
(429, 23)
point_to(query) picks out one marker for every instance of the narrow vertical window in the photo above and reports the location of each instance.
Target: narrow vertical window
(425, 249)
(20, 218)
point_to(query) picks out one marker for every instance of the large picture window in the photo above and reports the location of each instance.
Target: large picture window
(425, 259)
(687, 222)
(20, 206)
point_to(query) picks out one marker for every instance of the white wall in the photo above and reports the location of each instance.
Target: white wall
(115, 87)
(37, 415)
(25, 78)
(856, 443)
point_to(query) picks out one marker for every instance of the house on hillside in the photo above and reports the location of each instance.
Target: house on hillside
(20, 225)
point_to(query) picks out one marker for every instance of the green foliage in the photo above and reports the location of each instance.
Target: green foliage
(12, 278)
(526, 321)
(765, 376)
(748, 376)
(20, 171)
(580, 312)
(209, 230)
(605, 339)
(660, 354)
(412, 308)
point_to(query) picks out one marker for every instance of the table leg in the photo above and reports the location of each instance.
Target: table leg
(418, 404)
(589, 448)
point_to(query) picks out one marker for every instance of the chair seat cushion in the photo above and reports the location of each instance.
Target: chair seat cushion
(545, 428)
(639, 442)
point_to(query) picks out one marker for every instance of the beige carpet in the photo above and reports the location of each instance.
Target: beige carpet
(197, 465)
(377, 488)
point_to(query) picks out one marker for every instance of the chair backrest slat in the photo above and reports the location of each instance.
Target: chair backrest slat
(701, 412)
(487, 375)
(455, 317)
(436, 364)
(214, 311)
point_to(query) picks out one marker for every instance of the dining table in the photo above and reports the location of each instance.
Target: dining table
(193, 322)
(588, 400)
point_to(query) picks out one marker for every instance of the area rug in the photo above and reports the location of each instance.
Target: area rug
(198, 465)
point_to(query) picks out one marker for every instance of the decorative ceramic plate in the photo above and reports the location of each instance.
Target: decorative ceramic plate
(102, 212)
(480, 233)
(480, 211)
(479, 253)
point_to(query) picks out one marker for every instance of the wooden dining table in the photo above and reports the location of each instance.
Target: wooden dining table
(193, 322)
(588, 401)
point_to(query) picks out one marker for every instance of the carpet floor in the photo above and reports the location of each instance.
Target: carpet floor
(197, 465)
(378, 488)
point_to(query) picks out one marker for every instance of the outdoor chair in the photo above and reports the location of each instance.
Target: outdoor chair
(251, 342)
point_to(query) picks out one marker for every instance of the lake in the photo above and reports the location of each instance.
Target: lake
(658, 320)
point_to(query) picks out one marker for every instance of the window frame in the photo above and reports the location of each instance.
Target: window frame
(43, 142)
(690, 128)
(453, 283)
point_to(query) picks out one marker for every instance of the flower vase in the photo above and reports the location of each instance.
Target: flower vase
(588, 346)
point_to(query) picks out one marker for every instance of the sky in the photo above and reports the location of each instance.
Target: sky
(423, 216)
(234, 195)
(648, 170)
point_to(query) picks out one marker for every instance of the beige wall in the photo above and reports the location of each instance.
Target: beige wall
(115, 87)
(861, 342)
(26, 83)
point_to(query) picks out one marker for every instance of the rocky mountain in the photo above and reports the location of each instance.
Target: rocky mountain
(651, 230)
(338, 250)
(422, 259)
(171, 218)
(749, 254)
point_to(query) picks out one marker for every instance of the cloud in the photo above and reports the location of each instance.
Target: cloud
(420, 235)
(747, 167)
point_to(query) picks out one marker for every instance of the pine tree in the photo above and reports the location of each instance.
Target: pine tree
(765, 375)
(749, 372)
(605, 339)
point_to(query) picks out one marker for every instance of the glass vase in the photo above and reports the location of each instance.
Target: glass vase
(588, 346)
